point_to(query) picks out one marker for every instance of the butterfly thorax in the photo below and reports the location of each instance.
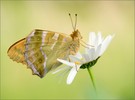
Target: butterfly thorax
(76, 42)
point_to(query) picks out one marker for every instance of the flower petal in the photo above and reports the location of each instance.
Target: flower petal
(105, 44)
(60, 69)
(78, 55)
(66, 62)
(97, 52)
(74, 59)
(99, 38)
(91, 53)
(86, 57)
(92, 38)
(71, 75)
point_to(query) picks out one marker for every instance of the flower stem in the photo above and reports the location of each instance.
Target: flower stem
(91, 76)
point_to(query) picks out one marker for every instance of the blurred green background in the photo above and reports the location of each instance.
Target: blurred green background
(114, 72)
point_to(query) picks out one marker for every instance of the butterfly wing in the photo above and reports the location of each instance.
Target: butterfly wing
(42, 49)
(16, 51)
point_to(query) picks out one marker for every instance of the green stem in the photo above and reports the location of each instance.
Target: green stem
(91, 76)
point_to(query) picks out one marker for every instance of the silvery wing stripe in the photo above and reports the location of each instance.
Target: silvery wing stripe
(28, 39)
(32, 34)
(43, 37)
(33, 68)
(30, 64)
(55, 37)
(53, 45)
(27, 42)
(45, 57)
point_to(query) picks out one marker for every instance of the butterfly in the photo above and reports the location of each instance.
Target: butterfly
(41, 48)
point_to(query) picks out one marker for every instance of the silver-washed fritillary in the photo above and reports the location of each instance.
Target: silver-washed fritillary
(41, 48)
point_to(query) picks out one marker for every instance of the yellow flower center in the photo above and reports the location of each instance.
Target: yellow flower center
(77, 63)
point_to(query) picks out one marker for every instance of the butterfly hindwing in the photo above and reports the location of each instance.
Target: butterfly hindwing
(42, 49)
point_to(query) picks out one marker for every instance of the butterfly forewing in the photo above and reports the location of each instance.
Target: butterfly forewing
(16, 51)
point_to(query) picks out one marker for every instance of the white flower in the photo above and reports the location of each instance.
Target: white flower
(98, 46)
(73, 65)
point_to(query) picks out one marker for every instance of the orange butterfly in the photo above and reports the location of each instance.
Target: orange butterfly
(41, 48)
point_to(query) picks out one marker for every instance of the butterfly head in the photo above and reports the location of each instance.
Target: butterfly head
(76, 35)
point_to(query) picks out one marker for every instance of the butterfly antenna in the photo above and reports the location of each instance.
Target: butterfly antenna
(75, 21)
(71, 21)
